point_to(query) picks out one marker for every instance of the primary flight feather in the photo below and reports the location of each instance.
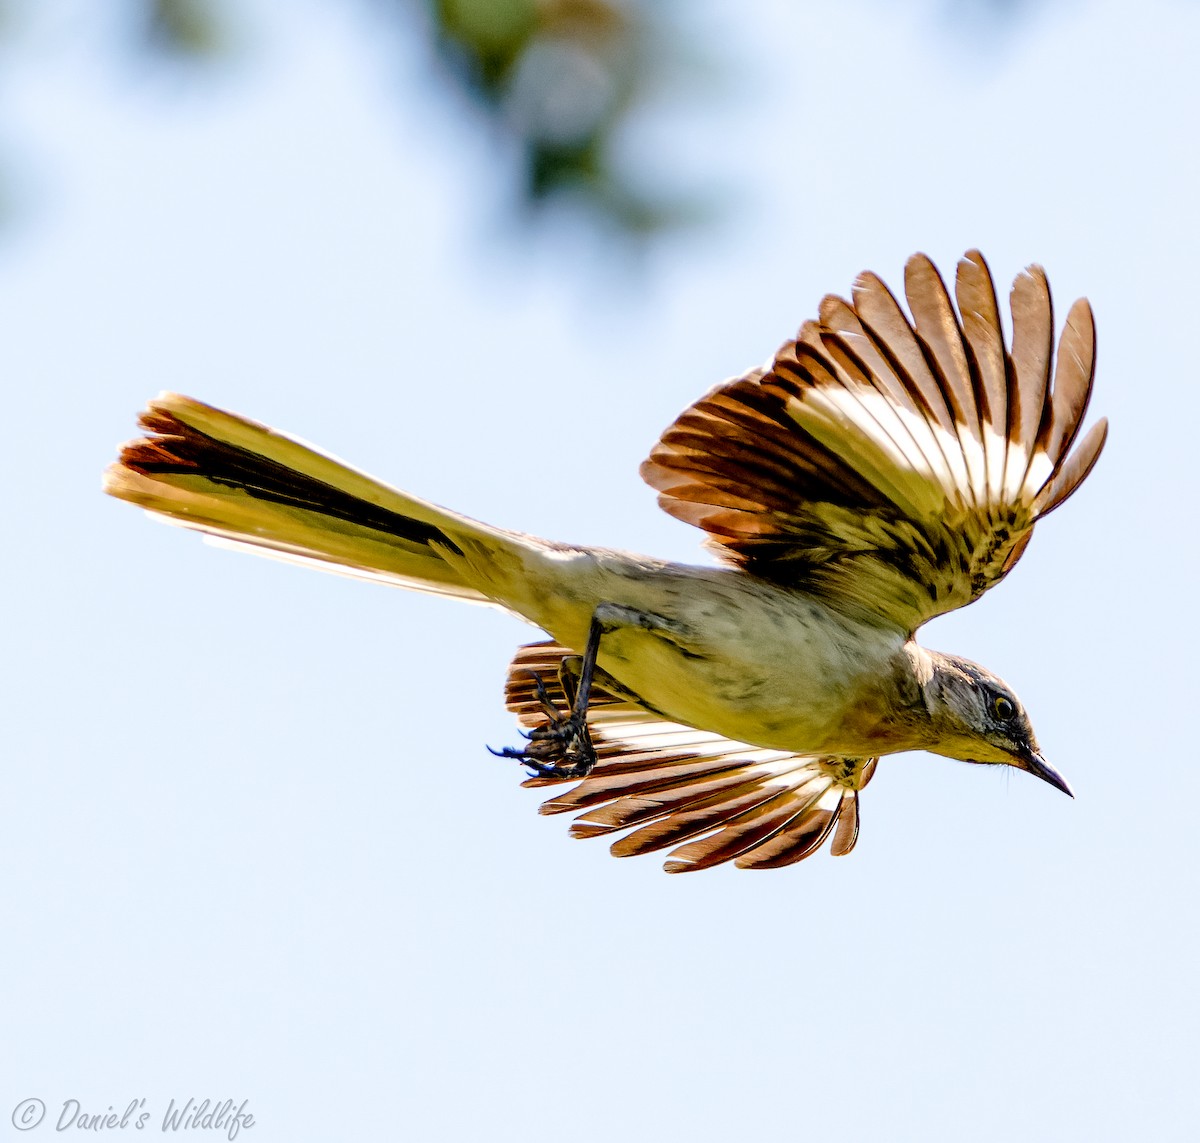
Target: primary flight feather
(881, 470)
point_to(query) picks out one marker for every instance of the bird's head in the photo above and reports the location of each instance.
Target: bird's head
(975, 717)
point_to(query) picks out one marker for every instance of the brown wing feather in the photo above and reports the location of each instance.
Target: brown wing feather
(938, 329)
(894, 465)
(1074, 470)
(1032, 349)
(982, 331)
(1073, 374)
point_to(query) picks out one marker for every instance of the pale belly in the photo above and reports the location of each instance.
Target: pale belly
(744, 659)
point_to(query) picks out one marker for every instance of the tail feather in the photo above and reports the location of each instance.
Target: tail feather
(248, 486)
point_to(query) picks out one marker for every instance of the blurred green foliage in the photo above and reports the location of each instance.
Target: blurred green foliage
(187, 28)
(559, 80)
(560, 77)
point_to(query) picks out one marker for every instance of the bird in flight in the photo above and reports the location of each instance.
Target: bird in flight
(881, 470)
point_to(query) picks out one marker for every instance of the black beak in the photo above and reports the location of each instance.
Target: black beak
(1035, 764)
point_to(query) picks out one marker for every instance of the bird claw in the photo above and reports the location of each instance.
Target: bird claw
(561, 749)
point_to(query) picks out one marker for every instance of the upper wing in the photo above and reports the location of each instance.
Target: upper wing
(715, 800)
(894, 465)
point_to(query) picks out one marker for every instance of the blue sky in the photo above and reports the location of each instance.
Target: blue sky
(252, 846)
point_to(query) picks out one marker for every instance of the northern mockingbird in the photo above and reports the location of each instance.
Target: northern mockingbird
(878, 472)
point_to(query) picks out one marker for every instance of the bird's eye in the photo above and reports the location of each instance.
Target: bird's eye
(1003, 708)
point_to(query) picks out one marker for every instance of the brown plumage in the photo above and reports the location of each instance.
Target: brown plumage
(887, 463)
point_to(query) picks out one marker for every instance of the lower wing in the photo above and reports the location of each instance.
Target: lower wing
(716, 800)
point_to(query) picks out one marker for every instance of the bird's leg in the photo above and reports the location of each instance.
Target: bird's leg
(562, 748)
(568, 677)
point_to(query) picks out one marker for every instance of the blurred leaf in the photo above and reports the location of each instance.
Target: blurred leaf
(191, 29)
(489, 36)
(561, 78)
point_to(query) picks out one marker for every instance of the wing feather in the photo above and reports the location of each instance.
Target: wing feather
(1075, 368)
(889, 464)
(845, 834)
(1032, 349)
(840, 319)
(985, 337)
(824, 400)
(802, 835)
(939, 331)
(1072, 474)
(741, 839)
(897, 342)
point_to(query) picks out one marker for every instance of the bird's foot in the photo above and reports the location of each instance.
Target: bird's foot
(562, 748)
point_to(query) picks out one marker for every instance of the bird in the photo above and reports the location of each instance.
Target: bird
(881, 469)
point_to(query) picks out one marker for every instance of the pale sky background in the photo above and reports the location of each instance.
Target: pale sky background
(251, 844)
